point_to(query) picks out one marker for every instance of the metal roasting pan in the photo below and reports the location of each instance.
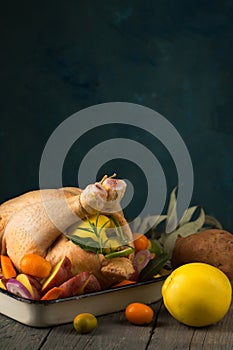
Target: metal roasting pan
(38, 313)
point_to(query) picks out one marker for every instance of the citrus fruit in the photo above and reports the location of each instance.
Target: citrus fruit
(197, 294)
(139, 313)
(85, 323)
(85, 230)
(35, 265)
(141, 242)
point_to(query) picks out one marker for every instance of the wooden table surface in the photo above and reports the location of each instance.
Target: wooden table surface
(114, 332)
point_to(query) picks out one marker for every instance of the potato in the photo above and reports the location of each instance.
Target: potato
(60, 273)
(84, 282)
(213, 246)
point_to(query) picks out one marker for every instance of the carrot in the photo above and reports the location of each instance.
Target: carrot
(53, 293)
(123, 283)
(8, 269)
(153, 255)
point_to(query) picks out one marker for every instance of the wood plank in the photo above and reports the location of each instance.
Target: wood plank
(15, 335)
(173, 335)
(113, 332)
(169, 334)
(217, 337)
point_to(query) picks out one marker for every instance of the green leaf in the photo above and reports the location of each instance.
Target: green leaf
(212, 222)
(145, 224)
(156, 247)
(172, 221)
(184, 231)
(103, 226)
(153, 267)
(89, 243)
(85, 243)
(84, 229)
(97, 218)
(187, 215)
(119, 231)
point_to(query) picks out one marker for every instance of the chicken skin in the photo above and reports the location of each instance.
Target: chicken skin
(35, 222)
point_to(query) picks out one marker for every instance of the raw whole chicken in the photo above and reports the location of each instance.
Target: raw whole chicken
(35, 222)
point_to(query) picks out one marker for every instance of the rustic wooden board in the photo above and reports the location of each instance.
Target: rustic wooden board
(217, 337)
(115, 333)
(169, 333)
(16, 336)
(173, 335)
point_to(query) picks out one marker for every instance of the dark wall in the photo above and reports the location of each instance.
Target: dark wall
(58, 57)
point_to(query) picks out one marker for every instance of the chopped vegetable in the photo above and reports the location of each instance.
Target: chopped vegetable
(141, 259)
(8, 269)
(153, 267)
(52, 294)
(17, 288)
(3, 283)
(123, 283)
(117, 254)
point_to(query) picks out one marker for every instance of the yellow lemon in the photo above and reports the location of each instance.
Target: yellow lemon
(85, 323)
(84, 226)
(197, 294)
(102, 220)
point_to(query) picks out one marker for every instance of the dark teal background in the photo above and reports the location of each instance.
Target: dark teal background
(58, 57)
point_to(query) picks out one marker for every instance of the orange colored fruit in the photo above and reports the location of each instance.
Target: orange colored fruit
(35, 265)
(141, 242)
(139, 313)
(8, 269)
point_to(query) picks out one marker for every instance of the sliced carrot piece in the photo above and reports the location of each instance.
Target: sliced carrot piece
(123, 283)
(153, 255)
(53, 293)
(8, 269)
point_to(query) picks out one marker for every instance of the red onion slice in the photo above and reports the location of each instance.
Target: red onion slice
(141, 259)
(18, 288)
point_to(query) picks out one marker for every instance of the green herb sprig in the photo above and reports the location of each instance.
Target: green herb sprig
(98, 246)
